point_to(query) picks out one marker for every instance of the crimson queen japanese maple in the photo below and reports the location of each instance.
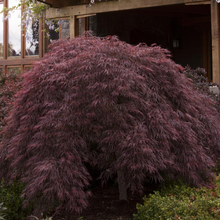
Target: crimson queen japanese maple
(99, 101)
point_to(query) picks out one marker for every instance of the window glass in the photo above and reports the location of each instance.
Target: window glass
(32, 38)
(14, 70)
(1, 71)
(1, 31)
(51, 33)
(65, 28)
(14, 30)
(27, 68)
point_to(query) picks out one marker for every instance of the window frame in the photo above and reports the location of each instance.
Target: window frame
(22, 60)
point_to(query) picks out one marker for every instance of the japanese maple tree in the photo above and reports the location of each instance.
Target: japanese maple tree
(124, 109)
(9, 86)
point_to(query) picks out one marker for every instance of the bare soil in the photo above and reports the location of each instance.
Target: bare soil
(105, 205)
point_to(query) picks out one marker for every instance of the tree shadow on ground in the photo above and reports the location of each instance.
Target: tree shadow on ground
(105, 205)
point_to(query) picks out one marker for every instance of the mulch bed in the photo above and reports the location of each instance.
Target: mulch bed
(104, 205)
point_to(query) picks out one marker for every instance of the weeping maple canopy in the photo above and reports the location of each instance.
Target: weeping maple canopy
(103, 102)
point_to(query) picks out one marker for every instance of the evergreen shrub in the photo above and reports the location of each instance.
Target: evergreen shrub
(178, 201)
(201, 83)
(2, 209)
(12, 201)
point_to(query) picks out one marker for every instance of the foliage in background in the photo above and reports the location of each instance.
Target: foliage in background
(9, 86)
(32, 217)
(202, 84)
(31, 11)
(179, 202)
(31, 8)
(10, 196)
(103, 102)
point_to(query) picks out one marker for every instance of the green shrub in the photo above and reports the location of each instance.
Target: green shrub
(2, 209)
(180, 202)
(10, 196)
(202, 84)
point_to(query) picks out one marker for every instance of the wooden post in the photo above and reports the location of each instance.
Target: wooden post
(215, 13)
(5, 70)
(72, 26)
(41, 41)
(83, 26)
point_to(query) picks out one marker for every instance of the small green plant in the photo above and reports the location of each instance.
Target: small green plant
(10, 196)
(46, 218)
(2, 209)
(180, 202)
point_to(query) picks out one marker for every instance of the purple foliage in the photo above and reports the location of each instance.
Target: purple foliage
(9, 86)
(130, 102)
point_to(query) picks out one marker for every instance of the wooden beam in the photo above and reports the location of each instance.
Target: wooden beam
(25, 61)
(85, 16)
(215, 20)
(41, 35)
(112, 6)
(62, 3)
(65, 3)
(199, 3)
(73, 27)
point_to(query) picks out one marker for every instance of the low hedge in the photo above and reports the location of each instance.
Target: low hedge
(180, 202)
(11, 200)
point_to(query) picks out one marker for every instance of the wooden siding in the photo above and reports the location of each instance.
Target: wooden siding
(62, 3)
(215, 17)
(113, 6)
(74, 11)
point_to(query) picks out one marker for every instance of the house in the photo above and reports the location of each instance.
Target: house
(190, 29)
(17, 53)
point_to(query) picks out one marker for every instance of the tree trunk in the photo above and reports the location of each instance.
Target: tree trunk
(122, 186)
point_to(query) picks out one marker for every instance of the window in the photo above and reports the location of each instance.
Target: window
(14, 31)
(27, 68)
(18, 49)
(14, 70)
(65, 28)
(32, 38)
(1, 31)
(51, 34)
